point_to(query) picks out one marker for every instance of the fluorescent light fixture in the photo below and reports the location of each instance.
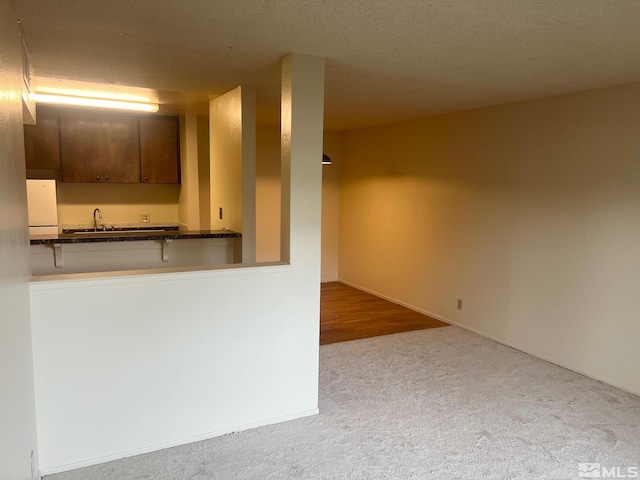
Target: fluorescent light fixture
(326, 159)
(94, 102)
(93, 92)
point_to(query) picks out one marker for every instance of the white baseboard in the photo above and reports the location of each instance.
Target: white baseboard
(174, 443)
(397, 302)
(490, 337)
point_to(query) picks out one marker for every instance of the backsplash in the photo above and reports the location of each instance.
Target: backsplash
(116, 225)
(120, 204)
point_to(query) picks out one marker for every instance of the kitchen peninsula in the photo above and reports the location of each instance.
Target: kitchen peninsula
(115, 250)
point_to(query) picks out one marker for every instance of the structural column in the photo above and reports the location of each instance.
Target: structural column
(302, 116)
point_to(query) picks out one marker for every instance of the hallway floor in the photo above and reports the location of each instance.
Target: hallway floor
(347, 313)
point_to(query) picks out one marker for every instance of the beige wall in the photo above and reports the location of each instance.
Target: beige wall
(528, 212)
(225, 143)
(232, 144)
(204, 170)
(267, 194)
(17, 401)
(268, 200)
(330, 207)
(118, 203)
(189, 198)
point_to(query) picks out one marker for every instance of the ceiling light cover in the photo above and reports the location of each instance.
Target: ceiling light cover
(94, 102)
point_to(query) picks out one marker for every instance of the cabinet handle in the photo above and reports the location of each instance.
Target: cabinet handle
(146, 179)
(98, 179)
(107, 179)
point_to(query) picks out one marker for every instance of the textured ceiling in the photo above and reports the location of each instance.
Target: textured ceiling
(387, 61)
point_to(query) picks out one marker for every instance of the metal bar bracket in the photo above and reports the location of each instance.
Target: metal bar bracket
(165, 249)
(57, 255)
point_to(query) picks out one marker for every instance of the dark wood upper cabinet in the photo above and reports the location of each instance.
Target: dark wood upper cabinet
(99, 148)
(42, 141)
(80, 148)
(159, 150)
(103, 147)
(120, 144)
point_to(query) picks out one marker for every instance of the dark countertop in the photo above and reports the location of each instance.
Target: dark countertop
(125, 236)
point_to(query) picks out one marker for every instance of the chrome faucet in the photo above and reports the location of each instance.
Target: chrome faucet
(95, 220)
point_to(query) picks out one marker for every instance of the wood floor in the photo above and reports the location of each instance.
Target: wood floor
(347, 313)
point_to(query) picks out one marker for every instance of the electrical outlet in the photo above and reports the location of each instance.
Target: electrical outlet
(145, 218)
(459, 304)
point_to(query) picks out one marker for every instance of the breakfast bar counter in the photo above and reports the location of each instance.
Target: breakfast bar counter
(108, 250)
(87, 236)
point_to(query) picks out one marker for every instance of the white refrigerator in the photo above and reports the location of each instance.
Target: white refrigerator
(43, 207)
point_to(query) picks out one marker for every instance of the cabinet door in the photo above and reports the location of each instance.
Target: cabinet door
(42, 141)
(159, 154)
(120, 148)
(80, 148)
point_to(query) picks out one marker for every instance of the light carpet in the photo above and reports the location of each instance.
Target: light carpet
(431, 404)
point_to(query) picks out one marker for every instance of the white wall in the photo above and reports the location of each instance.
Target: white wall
(127, 364)
(138, 363)
(528, 212)
(17, 411)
